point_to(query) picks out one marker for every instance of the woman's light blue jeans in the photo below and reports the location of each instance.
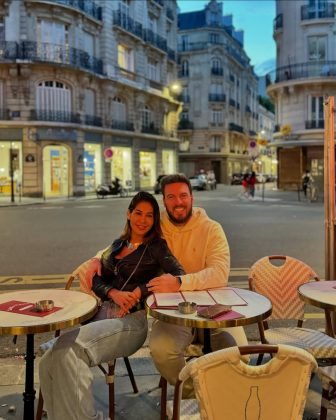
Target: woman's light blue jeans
(65, 374)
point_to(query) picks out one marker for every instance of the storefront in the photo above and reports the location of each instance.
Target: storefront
(92, 166)
(55, 171)
(168, 161)
(10, 164)
(121, 165)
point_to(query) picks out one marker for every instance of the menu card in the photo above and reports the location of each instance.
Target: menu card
(200, 297)
(25, 308)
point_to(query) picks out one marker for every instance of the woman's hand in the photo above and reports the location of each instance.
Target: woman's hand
(126, 300)
(93, 268)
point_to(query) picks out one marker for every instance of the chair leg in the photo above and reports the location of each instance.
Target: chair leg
(260, 359)
(131, 375)
(324, 403)
(110, 383)
(163, 386)
(39, 411)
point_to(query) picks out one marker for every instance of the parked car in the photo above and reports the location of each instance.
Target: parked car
(198, 182)
(237, 178)
(157, 186)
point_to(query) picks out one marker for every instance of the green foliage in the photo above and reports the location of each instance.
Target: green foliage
(266, 103)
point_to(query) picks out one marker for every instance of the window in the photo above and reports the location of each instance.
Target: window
(184, 116)
(88, 44)
(53, 96)
(145, 117)
(316, 111)
(118, 109)
(185, 42)
(89, 102)
(317, 8)
(2, 30)
(215, 143)
(214, 38)
(152, 24)
(125, 58)
(216, 116)
(317, 47)
(216, 88)
(216, 63)
(153, 70)
(185, 68)
(52, 40)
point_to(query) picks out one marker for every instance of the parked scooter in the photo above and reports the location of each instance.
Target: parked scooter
(115, 188)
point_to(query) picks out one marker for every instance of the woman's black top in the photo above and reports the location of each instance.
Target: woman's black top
(156, 260)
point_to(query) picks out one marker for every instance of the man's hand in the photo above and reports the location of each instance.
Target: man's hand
(163, 284)
(93, 268)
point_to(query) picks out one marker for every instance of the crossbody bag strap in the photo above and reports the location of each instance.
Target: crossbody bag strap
(136, 267)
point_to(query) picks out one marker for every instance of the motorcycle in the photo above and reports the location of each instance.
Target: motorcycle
(115, 188)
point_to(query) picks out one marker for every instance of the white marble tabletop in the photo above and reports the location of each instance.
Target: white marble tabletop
(76, 307)
(319, 293)
(258, 308)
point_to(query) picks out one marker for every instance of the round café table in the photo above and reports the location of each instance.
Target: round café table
(321, 294)
(257, 309)
(75, 307)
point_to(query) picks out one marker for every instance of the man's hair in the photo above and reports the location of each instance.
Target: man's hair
(173, 179)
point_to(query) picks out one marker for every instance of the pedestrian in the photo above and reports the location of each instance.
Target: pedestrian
(245, 184)
(307, 179)
(137, 256)
(211, 179)
(252, 180)
(207, 264)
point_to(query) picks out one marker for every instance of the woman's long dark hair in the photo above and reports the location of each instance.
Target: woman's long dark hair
(155, 231)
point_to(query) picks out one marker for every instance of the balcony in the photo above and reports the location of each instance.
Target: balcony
(155, 85)
(86, 6)
(302, 71)
(170, 14)
(308, 12)
(56, 116)
(183, 73)
(122, 125)
(192, 46)
(278, 22)
(185, 125)
(171, 54)
(217, 71)
(60, 54)
(93, 120)
(184, 98)
(236, 127)
(128, 24)
(155, 39)
(159, 2)
(150, 129)
(217, 97)
(311, 124)
(232, 102)
(9, 50)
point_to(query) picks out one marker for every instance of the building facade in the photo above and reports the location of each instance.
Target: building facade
(266, 160)
(304, 32)
(84, 94)
(219, 94)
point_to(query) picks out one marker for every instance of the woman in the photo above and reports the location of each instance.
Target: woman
(132, 260)
(139, 255)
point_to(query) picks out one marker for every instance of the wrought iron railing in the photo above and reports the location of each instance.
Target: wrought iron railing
(93, 120)
(232, 102)
(327, 11)
(248, 109)
(236, 127)
(217, 71)
(302, 71)
(62, 54)
(52, 115)
(86, 6)
(278, 22)
(130, 25)
(185, 125)
(4, 114)
(155, 39)
(122, 125)
(217, 97)
(151, 129)
(311, 124)
(170, 14)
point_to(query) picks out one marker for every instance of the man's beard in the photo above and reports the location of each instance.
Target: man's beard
(180, 221)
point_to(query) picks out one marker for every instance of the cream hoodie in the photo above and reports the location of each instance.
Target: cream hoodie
(202, 249)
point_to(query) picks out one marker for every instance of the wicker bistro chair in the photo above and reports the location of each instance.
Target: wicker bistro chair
(279, 284)
(79, 275)
(227, 387)
(327, 376)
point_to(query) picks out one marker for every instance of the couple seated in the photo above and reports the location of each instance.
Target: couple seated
(128, 271)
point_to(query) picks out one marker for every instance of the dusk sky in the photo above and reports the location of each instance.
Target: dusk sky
(255, 17)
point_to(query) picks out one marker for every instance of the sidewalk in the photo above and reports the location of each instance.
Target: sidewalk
(269, 194)
(144, 406)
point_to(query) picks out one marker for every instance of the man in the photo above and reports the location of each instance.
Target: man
(307, 179)
(200, 246)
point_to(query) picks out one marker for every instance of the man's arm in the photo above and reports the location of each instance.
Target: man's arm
(214, 274)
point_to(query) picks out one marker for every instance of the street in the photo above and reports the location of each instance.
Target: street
(55, 237)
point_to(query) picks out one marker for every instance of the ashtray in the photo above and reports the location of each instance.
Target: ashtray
(187, 307)
(44, 305)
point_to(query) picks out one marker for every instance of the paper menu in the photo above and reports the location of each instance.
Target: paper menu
(227, 297)
(168, 299)
(200, 297)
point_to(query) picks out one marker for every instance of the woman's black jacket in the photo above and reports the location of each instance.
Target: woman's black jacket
(157, 259)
